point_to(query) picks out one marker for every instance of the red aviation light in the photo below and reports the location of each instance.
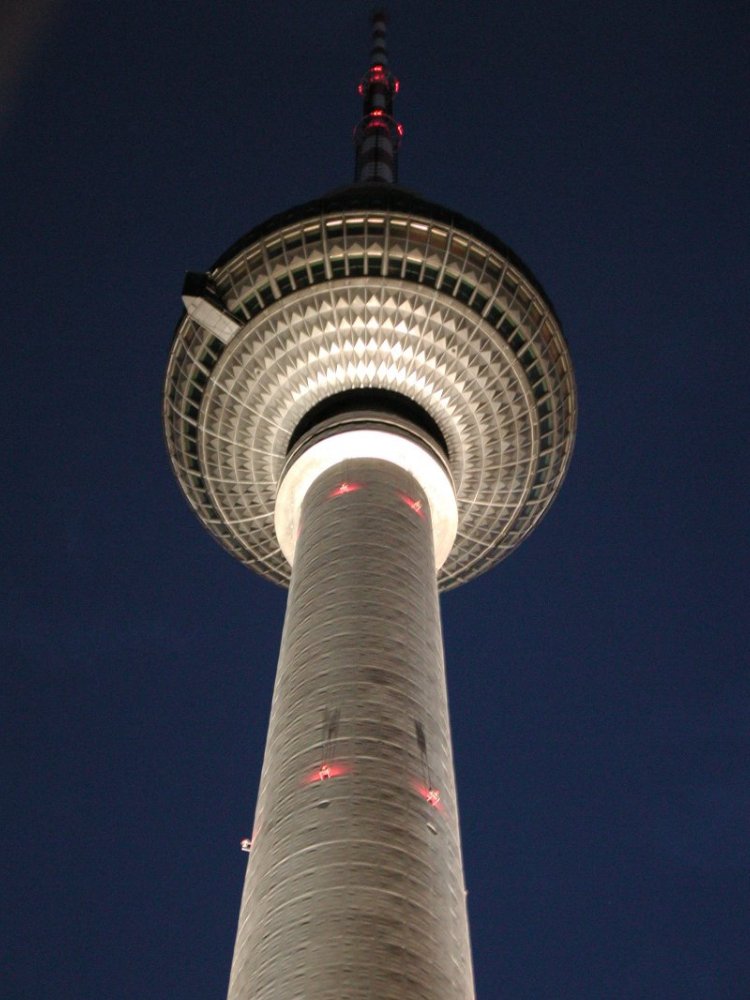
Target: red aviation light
(360, 89)
(416, 505)
(343, 488)
(431, 796)
(325, 772)
(377, 112)
(396, 86)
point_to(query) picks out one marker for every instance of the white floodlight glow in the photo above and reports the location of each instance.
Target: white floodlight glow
(387, 446)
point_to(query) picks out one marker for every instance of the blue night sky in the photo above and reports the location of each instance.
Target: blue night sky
(599, 679)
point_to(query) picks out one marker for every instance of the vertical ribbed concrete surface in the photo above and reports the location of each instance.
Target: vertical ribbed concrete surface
(354, 887)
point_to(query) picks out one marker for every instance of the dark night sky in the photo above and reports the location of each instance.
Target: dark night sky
(599, 679)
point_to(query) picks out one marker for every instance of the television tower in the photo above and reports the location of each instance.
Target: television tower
(368, 399)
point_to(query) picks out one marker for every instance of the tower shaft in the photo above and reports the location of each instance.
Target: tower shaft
(354, 886)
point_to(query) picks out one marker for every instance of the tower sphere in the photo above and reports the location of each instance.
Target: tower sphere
(370, 298)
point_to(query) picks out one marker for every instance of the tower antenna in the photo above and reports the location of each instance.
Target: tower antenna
(377, 135)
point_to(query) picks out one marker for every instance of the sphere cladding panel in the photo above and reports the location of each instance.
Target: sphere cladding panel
(374, 300)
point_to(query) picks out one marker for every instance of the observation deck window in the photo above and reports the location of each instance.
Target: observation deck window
(523, 299)
(374, 263)
(476, 258)
(534, 315)
(514, 338)
(493, 275)
(532, 371)
(494, 315)
(541, 389)
(301, 277)
(430, 275)
(412, 269)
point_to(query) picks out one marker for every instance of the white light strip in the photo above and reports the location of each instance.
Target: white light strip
(377, 444)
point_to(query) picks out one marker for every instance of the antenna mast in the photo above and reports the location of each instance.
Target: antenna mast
(378, 135)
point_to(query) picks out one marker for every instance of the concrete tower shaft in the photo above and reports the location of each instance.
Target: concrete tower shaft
(354, 886)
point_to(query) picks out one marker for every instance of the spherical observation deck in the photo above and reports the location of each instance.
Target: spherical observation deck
(370, 288)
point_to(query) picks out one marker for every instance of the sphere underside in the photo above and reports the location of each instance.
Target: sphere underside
(381, 299)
